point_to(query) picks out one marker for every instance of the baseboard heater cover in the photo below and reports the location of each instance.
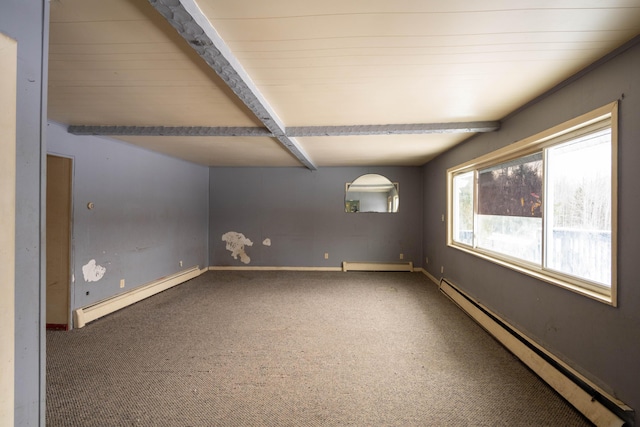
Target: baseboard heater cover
(377, 266)
(84, 315)
(595, 404)
(267, 268)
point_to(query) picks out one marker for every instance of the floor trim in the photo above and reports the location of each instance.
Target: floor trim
(594, 403)
(84, 315)
(266, 268)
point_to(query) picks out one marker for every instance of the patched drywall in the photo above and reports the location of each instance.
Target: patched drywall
(235, 244)
(93, 272)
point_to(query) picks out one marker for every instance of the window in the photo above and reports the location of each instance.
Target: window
(463, 214)
(545, 206)
(508, 220)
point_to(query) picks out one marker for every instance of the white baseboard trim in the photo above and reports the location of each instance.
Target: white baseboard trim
(593, 402)
(377, 266)
(247, 268)
(84, 315)
(273, 268)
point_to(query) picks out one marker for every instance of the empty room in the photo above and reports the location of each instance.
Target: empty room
(405, 213)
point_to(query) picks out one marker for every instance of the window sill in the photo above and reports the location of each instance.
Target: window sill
(573, 285)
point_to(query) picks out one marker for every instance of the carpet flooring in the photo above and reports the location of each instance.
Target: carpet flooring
(247, 348)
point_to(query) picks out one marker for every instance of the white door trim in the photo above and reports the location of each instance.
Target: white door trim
(8, 83)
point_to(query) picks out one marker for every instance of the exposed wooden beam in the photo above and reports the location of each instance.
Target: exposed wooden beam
(393, 129)
(187, 18)
(290, 132)
(168, 131)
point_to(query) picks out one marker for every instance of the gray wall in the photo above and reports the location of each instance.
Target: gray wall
(150, 212)
(302, 212)
(27, 22)
(602, 342)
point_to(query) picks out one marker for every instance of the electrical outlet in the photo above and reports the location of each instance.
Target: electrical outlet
(442, 269)
(326, 255)
(180, 263)
(442, 217)
(427, 260)
(122, 283)
(401, 256)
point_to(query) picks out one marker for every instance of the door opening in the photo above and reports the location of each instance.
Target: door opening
(59, 175)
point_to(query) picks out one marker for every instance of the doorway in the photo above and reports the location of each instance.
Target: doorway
(59, 177)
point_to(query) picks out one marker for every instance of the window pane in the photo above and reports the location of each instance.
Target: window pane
(578, 213)
(463, 208)
(513, 188)
(509, 208)
(514, 236)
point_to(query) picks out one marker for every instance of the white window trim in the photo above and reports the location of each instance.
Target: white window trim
(530, 145)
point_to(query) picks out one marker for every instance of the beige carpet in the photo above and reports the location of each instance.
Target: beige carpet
(294, 349)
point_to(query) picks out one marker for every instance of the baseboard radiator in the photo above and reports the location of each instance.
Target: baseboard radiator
(377, 266)
(267, 268)
(595, 404)
(84, 315)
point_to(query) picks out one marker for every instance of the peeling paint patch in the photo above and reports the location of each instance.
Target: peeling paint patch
(93, 272)
(235, 244)
(267, 242)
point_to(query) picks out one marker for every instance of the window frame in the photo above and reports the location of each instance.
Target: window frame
(539, 142)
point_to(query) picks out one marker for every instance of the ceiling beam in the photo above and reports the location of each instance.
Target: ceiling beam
(187, 18)
(302, 131)
(393, 129)
(168, 131)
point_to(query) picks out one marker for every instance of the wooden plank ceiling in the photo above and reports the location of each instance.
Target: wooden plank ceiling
(315, 84)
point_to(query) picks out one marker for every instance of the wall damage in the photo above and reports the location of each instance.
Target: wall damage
(93, 272)
(236, 243)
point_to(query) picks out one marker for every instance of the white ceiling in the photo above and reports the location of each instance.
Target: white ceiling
(372, 81)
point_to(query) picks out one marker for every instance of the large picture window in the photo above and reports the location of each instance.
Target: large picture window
(545, 206)
(508, 218)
